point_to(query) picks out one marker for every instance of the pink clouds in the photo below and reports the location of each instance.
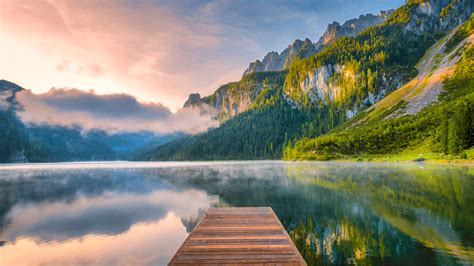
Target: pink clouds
(155, 50)
(110, 46)
(92, 70)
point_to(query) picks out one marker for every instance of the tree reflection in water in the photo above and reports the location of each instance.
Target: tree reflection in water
(340, 213)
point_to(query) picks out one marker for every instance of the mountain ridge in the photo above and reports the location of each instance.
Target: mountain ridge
(274, 61)
(356, 72)
(225, 103)
(24, 142)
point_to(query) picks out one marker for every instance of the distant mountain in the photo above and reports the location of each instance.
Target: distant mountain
(264, 116)
(6, 85)
(235, 97)
(274, 61)
(21, 142)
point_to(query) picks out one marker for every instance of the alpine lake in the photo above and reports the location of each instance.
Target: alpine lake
(134, 213)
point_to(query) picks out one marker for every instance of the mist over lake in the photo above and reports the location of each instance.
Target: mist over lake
(140, 213)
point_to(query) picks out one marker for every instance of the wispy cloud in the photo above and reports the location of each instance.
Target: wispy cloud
(113, 112)
(93, 70)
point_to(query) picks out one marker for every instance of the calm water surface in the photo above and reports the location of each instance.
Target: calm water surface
(140, 213)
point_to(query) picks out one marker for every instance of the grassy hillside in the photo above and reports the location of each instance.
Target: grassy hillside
(390, 130)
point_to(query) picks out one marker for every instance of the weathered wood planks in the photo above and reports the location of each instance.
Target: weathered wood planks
(252, 236)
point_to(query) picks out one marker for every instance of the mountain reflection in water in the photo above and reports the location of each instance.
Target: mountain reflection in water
(140, 213)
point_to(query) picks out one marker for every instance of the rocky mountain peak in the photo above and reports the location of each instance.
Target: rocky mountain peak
(351, 27)
(7, 85)
(275, 61)
(194, 99)
(8, 92)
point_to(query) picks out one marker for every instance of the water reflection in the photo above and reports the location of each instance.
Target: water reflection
(108, 214)
(140, 214)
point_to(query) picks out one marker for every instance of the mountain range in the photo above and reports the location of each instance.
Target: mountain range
(236, 97)
(275, 61)
(20, 142)
(397, 85)
(371, 83)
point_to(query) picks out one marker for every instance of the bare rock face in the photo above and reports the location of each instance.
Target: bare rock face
(321, 84)
(194, 99)
(439, 15)
(227, 101)
(317, 84)
(351, 27)
(274, 61)
(231, 99)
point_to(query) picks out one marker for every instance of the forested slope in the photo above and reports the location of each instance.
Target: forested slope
(322, 91)
(394, 128)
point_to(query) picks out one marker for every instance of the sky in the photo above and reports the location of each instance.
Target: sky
(157, 51)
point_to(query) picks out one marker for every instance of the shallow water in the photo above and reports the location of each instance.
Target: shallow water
(140, 213)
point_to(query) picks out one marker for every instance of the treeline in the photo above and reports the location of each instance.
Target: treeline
(259, 133)
(43, 143)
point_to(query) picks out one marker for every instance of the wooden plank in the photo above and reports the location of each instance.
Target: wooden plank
(231, 236)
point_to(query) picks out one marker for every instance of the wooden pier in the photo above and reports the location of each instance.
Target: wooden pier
(226, 236)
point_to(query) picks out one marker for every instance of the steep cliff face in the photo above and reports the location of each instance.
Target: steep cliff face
(274, 61)
(356, 87)
(320, 84)
(231, 99)
(194, 100)
(324, 90)
(334, 83)
(351, 27)
(337, 82)
(438, 15)
(235, 97)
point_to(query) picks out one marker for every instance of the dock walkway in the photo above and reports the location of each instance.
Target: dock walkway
(238, 236)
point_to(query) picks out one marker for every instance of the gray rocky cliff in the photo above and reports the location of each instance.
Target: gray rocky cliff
(438, 15)
(274, 61)
(351, 27)
(194, 99)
